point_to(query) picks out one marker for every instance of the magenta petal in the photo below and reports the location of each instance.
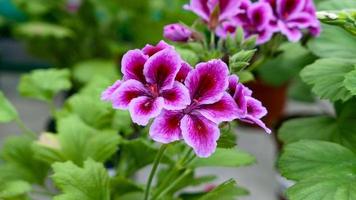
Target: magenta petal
(162, 68)
(286, 8)
(259, 14)
(264, 35)
(240, 97)
(228, 8)
(142, 109)
(176, 98)
(293, 34)
(132, 65)
(199, 7)
(200, 133)
(177, 32)
(301, 20)
(183, 72)
(233, 81)
(255, 108)
(107, 95)
(151, 50)
(166, 127)
(128, 90)
(224, 110)
(258, 122)
(208, 81)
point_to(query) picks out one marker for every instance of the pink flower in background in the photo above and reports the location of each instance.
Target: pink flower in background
(177, 32)
(149, 85)
(254, 19)
(198, 123)
(73, 5)
(250, 109)
(205, 9)
(291, 16)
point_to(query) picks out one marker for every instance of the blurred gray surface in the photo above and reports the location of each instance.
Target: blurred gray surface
(260, 178)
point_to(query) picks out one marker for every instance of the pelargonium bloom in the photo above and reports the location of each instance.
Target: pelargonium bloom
(250, 109)
(291, 16)
(148, 85)
(177, 32)
(254, 19)
(210, 105)
(205, 9)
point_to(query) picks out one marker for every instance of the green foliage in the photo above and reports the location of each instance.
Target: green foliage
(88, 183)
(286, 65)
(225, 191)
(42, 29)
(334, 42)
(350, 81)
(327, 76)
(7, 112)
(323, 169)
(44, 84)
(188, 55)
(225, 158)
(85, 71)
(20, 162)
(14, 190)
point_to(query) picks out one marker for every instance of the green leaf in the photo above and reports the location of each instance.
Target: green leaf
(245, 76)
(190, 56)
(225, 158)
(228, 136)
(19, 158)
(323, 170)
(44, 84)
(43, 29)
(334, 42)
(85, 71)
(350, 82)
(225, 191)
(79, 142)
(121, 186)
(88, 183)
(327, 77)
(336, 5)
(339, 129)
(131, 158)
(8, 112)
(11, 190)
(308, 158)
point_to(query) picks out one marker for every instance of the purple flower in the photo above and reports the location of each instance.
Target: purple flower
(198, 123)
(291, 16)
(149, 84)
(177, 32)
(250, 109)
(205, 9)
(73, 5)
(151, 50)
(254, 19)
(107, 95)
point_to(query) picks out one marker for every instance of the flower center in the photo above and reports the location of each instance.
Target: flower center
(153, 88)
(191, 107)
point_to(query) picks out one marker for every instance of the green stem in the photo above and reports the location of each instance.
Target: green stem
(172, 185)
(154, 169)
(256, 64)
(24, 128)
(212, 40)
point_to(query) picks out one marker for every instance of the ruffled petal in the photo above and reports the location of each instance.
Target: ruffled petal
(162, 68)
(228, 9)
(264, 35)
(176, 98)
(166, 127)
(183, 72)
(132, 65)
(259, 15)
(286, 8)
(233, 81)
(142, 109)
(199, 7)
(240, 97)
(151, 49)
(258, 122)
(128, 91)
(200, 133)
(293, 34)
(208, 82)
(222, 111)
(301, 20)
(107, 95)
(255, 108)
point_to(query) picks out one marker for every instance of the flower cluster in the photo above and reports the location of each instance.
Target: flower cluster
(262, 18)
(185, 103)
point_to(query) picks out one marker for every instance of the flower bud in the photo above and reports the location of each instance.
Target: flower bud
(177, 32)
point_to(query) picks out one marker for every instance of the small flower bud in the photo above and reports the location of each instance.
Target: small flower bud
(177, 32)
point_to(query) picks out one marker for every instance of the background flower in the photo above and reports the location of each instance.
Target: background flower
(177, 32)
